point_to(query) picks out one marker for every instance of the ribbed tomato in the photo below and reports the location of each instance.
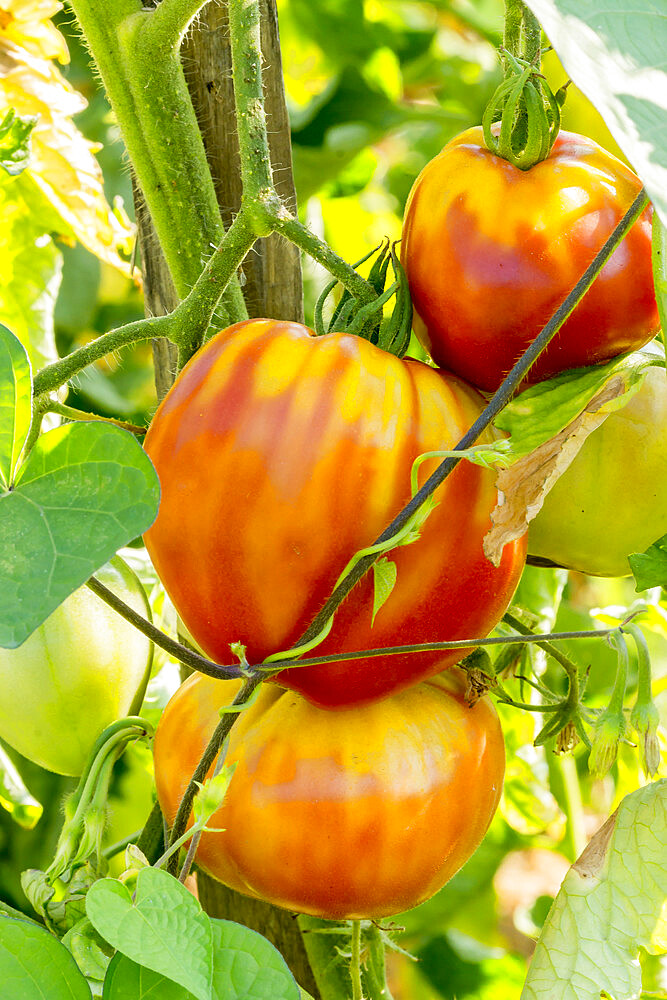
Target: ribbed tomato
(358, 813)
(491, 251)
(280, 455)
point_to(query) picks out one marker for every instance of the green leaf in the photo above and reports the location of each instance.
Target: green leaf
(15, 402)
(384, 580)
(30, 264)
(15, 141)
(15, 797)
(85, 490)
(180, 948)
(125, 980)
(650, 567)
(245, 967)
(614, 50)
(163, 929)
(34, 965)
(544, 410)
(611, 904)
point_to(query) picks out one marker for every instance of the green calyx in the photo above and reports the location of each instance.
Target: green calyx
(522, 119)
(366, 319)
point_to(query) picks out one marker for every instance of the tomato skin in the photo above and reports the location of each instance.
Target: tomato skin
(490, 252)
(280, 455)
(75, 675)
(612, 500)
(360, 813)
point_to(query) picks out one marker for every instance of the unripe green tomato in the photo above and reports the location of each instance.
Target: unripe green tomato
(77, 673)
(612, 500)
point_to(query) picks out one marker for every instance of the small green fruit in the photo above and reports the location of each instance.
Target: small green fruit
(77, 673)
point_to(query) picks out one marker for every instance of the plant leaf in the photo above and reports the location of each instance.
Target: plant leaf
(15, 797)
(614, 50)
(611, 904)
(650, 567)
(15, 402)
(245, 967)
(85, 490)
(62, 165)
(384, 580)
(34, 965)
(15, 141)
(31, 267)
(163, 929)
(543, 443)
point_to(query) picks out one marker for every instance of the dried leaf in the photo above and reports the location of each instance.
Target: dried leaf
(523, 487)
(62, 164)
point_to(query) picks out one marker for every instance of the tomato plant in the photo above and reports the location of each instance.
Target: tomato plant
(358, 813)
(77, 673)
(280, 455)
(491, 251)
(610, 502)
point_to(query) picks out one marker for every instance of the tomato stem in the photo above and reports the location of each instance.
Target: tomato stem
(221, 733)
(355, 960)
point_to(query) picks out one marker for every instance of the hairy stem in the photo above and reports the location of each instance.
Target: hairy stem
(215, 744)
(54, 375)
(145, 84)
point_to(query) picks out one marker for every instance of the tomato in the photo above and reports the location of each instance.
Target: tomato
(359, 813)
(78, 672)
(491, 251)
(612, 500)
(280, 455)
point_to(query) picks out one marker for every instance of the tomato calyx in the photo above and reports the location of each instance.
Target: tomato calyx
(528, 114)
(391, 333)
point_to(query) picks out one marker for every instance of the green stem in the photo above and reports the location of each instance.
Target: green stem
(513, 22)
(246, 52)
(71, 413)
(568, 665)
(121, 845)
(355, 960)
(297, 233)
(211, 752)
(144, 81)
(56, 374)
(523, 33)
(194, 315)
(564, 782)
(171, 19)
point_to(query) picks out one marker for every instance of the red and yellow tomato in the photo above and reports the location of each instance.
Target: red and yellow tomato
(359, 813)
(490, 252)
(280, 455)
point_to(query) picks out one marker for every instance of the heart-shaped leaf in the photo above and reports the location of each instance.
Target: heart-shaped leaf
(34, 965)
(245, 967)
(614, 50)
(15, 402)
(125, 980)
(164, 928)
(85, 490)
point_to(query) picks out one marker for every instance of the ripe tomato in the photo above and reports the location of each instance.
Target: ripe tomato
(612, 500)
(358, 813)
(280, 455)
(77, 673)
(491, 251)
